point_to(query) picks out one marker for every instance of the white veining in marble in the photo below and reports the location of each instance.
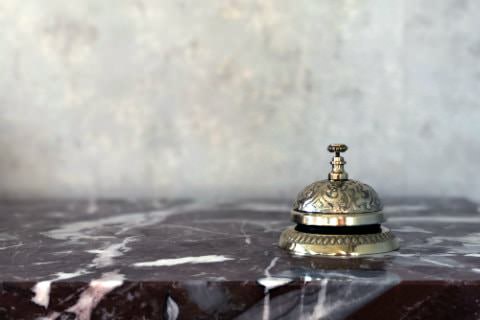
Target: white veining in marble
(469, 239)
(42, 263)
(395, 254)
(324, 295)
(272, 264)
(273, 282)
(440, 250)
(105, 257)
(437, 219)
(61, 253)
(172, 309)
(269, 283)
(405, 208)
(470, 243)
(265, 225)
(466, 244)
(183, 260)
(12, 246)
(266, 299)
(248, 239)
(449, 263)
(411, 229)
(197, 229)
(281, 208)
(322, 309)
(96, 290)
(87, 229)
(41, 290)
(354, 291)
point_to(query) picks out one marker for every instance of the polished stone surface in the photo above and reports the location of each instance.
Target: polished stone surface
(192, 260)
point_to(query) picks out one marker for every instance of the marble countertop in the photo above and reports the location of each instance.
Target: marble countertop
(192, 260)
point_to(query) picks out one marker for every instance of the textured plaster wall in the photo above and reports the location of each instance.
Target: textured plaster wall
(237, 98)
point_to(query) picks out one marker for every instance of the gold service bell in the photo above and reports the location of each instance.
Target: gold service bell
(338, 217)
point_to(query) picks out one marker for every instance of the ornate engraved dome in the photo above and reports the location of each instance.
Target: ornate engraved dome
(343, 196)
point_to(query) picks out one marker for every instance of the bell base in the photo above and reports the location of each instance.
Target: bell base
(311, 244)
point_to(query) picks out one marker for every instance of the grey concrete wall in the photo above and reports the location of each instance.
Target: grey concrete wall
(237, 98)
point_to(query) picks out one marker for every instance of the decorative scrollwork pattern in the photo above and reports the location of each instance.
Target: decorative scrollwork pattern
(292, 236)
(348, 196)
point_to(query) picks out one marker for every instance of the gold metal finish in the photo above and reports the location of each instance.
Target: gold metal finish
(337, 148)
(338, 172)
(301, 243)
(338, 202)
(333, 220)
(336, 197)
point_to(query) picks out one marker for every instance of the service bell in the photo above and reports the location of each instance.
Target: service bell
(338, 217)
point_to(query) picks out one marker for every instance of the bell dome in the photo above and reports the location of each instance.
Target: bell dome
(344, 196)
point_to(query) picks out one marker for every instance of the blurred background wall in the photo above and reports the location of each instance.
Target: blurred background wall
(229, 99)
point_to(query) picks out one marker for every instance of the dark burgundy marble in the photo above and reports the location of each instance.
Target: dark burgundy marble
(191, 260)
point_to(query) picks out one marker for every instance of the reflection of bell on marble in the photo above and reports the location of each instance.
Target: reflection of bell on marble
(338, 217)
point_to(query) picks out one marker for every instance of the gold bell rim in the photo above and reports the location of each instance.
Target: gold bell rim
(309, 244)
(336, 219)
